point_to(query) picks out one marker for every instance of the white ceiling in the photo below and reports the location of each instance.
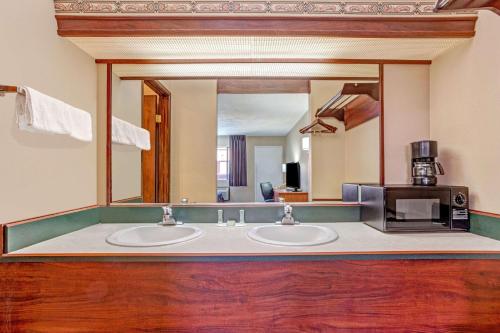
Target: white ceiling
(264, 47)
(248, 70)
(259, 114)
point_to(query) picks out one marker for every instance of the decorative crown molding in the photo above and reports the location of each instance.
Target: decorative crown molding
(214, 7)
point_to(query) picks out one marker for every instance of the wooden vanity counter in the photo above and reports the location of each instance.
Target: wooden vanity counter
(437, 290)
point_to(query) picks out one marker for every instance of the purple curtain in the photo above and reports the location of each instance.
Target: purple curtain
(237, 160)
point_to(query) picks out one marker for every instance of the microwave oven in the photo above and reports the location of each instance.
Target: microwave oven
(409, 208)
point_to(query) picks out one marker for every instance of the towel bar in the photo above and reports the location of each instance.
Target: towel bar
(8, 89)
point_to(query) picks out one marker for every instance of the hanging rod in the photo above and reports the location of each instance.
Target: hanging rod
(8, 89)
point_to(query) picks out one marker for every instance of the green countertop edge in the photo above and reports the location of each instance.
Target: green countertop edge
(487, 226)
(26, 234)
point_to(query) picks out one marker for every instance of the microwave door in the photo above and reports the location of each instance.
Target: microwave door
(410, 209)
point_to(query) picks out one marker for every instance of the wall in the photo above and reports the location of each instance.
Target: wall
(193, 140)
(126, 160)
(362, 153)
(406, 117)
(41, 172)
(327, 150)
(465, 113)
(294, 152)
(247, 193)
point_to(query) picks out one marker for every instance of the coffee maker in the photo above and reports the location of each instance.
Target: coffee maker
(424, 164)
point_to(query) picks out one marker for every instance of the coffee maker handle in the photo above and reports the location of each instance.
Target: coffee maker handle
(440, 167)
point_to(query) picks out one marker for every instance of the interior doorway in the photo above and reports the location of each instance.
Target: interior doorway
(268, 161)
(155, 171)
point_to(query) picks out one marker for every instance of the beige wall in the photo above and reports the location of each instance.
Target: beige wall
(247, 193)
(193, 139)
(294, 152)
(406, 113)
(362, 153)
(465, 114)
(43, 174)
(126, 160)
(327, 150)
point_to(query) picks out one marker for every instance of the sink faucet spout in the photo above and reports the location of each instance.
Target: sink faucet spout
(288, 217)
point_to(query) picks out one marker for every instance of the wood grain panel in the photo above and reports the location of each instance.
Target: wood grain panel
(263, 61)
(241, 86)
(360, 110)
(381, 125)
(164, 149)
(148, 157)
(373, 27)
(109, 114)
(330, 78)
(2, 237)
(291, 196)
(390, 296)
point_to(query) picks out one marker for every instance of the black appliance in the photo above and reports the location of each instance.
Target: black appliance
(424, 164)
(407, 208)
(293, 175)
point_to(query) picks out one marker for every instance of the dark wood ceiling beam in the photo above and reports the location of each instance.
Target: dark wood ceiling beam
(249, 86)
(262, 61)
(331, 78)
(356, 27)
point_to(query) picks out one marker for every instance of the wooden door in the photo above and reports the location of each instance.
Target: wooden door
(149, 110)
(163, 162)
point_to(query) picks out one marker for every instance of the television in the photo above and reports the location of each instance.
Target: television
(293, 175)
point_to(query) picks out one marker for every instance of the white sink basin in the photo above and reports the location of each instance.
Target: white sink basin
(293, 235)
(154, 235)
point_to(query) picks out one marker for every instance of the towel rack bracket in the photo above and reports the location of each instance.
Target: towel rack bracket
(7, 89)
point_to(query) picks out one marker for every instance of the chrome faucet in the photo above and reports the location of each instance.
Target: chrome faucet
(168, 218)
(288, 217)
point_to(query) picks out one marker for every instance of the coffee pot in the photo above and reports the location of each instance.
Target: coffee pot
(425, 168)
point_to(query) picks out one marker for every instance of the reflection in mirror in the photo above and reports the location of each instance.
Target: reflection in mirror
(297, 147)
(234, 140)
(140, 141)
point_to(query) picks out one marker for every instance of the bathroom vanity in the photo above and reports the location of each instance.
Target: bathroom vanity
(223, 280)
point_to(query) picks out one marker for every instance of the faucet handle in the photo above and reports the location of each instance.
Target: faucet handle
(220, 218)
(242, 222)
(288, 209)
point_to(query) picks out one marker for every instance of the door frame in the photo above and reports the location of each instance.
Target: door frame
(162, 141)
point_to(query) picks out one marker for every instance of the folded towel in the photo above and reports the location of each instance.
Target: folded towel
(37, 112)
(125, 133)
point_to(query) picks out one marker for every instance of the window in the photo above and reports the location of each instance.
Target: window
(222, 163)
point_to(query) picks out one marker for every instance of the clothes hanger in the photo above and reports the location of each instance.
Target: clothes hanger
(327, 128)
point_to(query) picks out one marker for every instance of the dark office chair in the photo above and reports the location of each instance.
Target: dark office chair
(267, 191)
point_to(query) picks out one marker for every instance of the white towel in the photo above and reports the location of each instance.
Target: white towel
(125, 133)
(37, 112)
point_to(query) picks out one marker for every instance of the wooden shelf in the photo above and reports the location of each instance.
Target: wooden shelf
(467, 5)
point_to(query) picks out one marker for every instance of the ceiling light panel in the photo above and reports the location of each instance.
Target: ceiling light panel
(264, 47)
(247, 70)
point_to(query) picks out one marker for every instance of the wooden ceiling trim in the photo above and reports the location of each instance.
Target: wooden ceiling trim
(263, 61)
(357, 27)
(331, 78)
(157, 87)
(249, 86)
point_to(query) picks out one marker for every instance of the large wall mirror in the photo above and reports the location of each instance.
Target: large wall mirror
(288, 132)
